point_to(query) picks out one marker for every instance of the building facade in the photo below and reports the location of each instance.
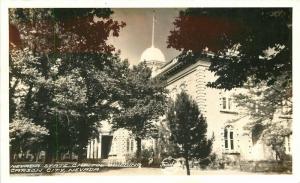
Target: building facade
(225, 120)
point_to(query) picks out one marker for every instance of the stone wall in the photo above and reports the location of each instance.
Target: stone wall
(266, 166)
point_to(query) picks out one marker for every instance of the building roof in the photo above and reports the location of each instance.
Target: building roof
(182, 61)
(153, 54)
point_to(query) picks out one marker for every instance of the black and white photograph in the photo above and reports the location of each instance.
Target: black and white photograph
(185, 91)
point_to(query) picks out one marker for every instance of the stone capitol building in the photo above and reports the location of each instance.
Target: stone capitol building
(224, 121)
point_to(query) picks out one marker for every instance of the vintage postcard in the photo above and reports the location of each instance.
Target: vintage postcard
(149, 91)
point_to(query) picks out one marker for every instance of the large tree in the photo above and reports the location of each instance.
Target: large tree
(142, 105)
(188, 129)
(247, 42)
(270, 116)
(67, 75)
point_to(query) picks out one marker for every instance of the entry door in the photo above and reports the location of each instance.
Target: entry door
(106, 146)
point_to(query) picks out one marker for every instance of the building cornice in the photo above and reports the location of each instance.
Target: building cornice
(176, 66)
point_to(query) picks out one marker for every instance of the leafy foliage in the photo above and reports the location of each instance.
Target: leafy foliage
(142, 105)
(270, 109)
(63, 74)
(247, 42)
(24, 134)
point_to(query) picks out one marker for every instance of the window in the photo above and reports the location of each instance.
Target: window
(226, 138)
(131, 146)
(287, 144)
(256, 133)
(224, 102)
(229, 138)
(227, 104)
(183, 86)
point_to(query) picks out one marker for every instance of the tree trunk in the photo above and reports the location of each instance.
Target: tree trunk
(80, 157)
(37, 154)
(11, 155)
(81, 153)
(71, 154)
(49, 157)
(58, 156)
(186, 156)
(15, 157)
(139, 148)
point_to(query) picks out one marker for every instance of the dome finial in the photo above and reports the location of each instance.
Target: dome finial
(153, 56)
(153, 24)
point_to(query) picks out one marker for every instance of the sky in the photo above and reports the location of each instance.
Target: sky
(135, 37)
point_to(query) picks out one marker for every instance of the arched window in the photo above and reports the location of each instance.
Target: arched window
(256, 132)
(183, 86)
(128, 144)
(132, 145)
(228, 138)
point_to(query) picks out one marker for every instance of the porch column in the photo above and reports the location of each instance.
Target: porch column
(99, 146)
(96, 148)
(88, 151)
(92, 149)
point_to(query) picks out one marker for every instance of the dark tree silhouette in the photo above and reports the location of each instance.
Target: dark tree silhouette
(188, 129)
(247, 42)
